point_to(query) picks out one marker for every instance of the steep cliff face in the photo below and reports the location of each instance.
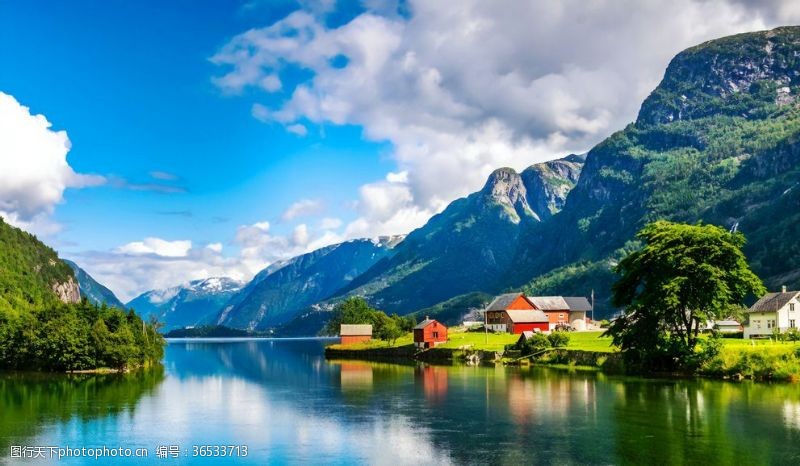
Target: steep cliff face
(733, 76)
(547, 184)
(68, 291)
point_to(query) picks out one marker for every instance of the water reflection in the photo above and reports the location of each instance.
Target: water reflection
(28, 402)
(290, 405)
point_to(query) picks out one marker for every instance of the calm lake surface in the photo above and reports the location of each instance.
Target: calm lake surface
(288, 404)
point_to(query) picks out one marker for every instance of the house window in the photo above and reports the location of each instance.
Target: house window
(769, 324)
(791, 323)
(757, 324)
(791, 307)
(435, 334)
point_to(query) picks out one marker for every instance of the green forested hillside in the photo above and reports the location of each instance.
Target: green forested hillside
(28, 270)
(40, 332)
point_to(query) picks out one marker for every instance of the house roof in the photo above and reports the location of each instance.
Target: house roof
(526, 334)
(772, 301)
(727, 322)
(549, 303)
(578, 303)
(424, 324)
(527, 316)
(355, 330)
(501, 302)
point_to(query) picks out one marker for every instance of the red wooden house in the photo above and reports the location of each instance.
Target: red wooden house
(351, 334)
(525, 321)
(429, 333)
(497, 318)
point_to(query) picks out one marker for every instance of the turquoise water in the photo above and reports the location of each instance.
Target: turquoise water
(288, 405)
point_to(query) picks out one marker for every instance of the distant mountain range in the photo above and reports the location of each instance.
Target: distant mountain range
(194, 303)
(280, 292)
(718, 141)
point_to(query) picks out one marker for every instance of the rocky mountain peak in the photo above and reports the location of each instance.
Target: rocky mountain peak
(506, 188)
(736, 75)
(548, 183)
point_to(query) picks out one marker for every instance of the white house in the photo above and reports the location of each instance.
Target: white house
(773, 310)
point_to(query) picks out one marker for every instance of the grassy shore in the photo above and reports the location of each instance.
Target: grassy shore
(461, 339)
(755, 359)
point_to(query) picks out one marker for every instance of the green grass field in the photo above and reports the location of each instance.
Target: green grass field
(458, 338)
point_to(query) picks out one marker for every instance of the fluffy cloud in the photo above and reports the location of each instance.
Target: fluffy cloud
(141, 266)
(34, 171)
(158, 247)
(460, 90)
(303, 208)
(214, 247)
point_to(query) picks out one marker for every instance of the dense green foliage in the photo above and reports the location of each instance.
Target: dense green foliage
(680, 279)
(66, 337)
(779, 362)
(356, 310)
(39, 332)
(28, 270)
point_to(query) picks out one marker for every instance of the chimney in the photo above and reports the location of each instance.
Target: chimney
(783, 289)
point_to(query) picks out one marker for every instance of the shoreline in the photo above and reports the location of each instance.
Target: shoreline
(604, 362)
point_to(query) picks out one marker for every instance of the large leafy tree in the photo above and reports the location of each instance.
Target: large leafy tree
(682, 277)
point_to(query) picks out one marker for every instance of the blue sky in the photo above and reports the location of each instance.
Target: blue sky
(130, 83)
(212, 138)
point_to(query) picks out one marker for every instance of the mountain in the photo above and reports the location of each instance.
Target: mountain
(195, 303)
(718, 141)
(31, 274)
(92, 290)
(472, 244)
(283, 290)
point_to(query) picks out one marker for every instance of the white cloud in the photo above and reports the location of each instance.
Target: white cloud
(297, 129)
(330, 223)
(129, 274)
(460, 91)
(214, 247)
(300, 235)
(303, 208)
(34, 171)
(158, 247)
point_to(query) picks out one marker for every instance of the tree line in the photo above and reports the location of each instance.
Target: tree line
(356, 310)
(82, 336)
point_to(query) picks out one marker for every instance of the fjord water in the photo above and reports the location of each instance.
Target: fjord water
(288, 404)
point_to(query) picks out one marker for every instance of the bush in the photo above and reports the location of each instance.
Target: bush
(792, 334)
(558, 339)
(538, 342)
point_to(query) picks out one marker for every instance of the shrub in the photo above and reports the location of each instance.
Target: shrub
(792, 334)
(558, 339)
(536, 343)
